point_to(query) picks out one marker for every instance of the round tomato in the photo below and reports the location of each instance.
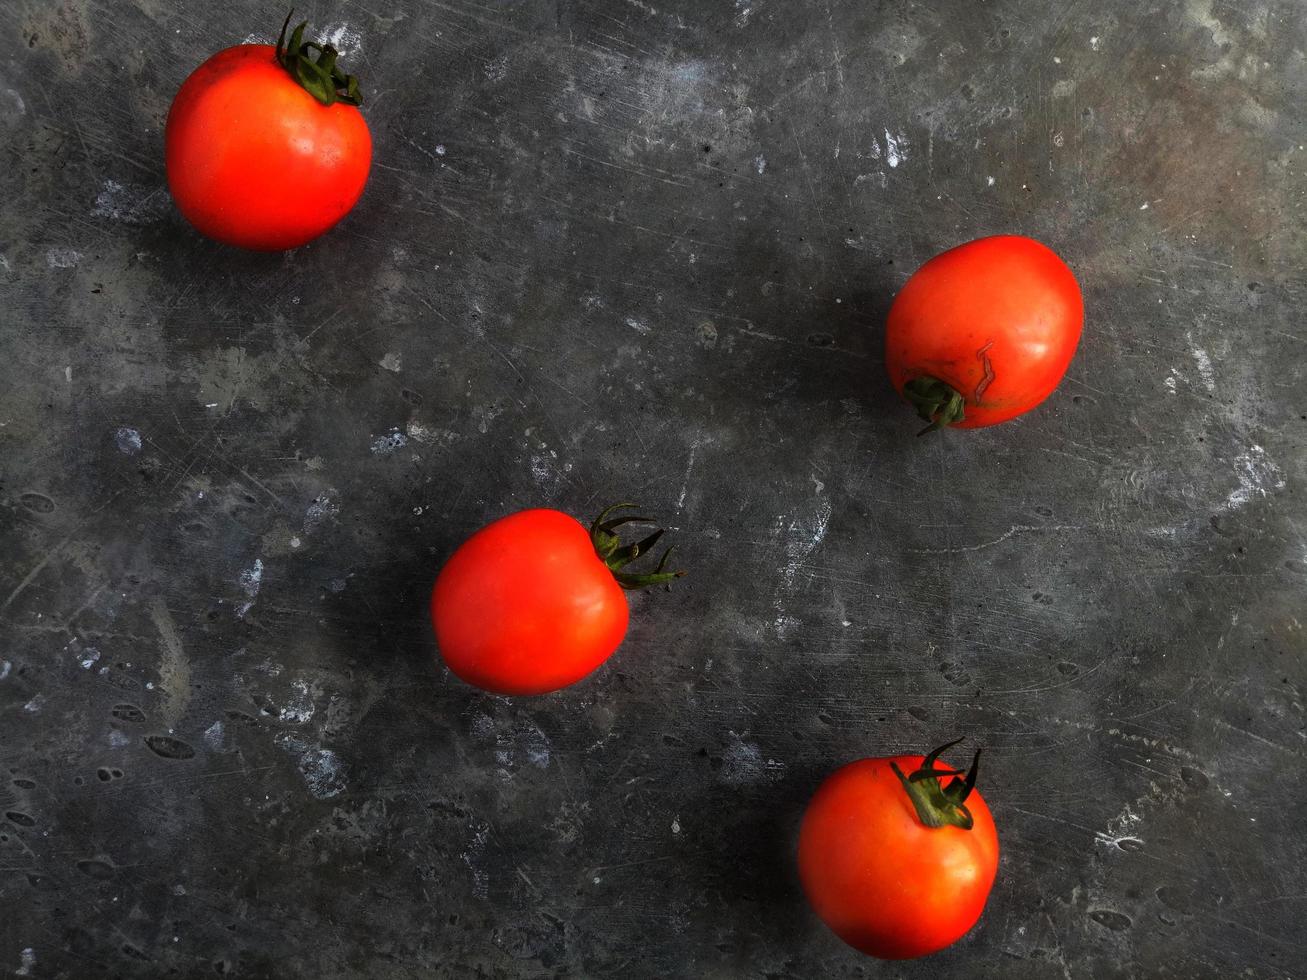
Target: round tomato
(264, 146)
(983, 332)
(895, 862)
(534, 601)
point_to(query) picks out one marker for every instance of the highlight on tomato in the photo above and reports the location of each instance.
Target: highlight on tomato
(894, 860)
(265, 147)
(984, 332)
(534, 601)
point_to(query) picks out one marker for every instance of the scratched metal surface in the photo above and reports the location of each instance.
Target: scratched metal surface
(617, 249)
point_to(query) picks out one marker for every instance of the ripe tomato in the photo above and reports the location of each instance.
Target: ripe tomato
(533, 602)
(264, 147)
(983, 332)
(898, 865)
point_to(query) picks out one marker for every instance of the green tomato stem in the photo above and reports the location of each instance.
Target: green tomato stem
(938, 805)
(936, 402)
(608, 546)
(322, 78)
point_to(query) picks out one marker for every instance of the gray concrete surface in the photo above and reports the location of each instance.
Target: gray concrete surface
(644, 248)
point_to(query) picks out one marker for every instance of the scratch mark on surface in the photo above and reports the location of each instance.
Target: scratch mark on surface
(982, 356)
(36, 570)
(1010, 532)
(174, 669)
(689, 466)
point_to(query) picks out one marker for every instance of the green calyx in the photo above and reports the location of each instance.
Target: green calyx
(938, 805)
(936, 402)
(608, 546)
(322, 78)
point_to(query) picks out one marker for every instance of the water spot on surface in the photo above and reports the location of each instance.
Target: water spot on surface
(128, 712)
(167, 747)
(94, 868)
(1116, 921)
(37, 503)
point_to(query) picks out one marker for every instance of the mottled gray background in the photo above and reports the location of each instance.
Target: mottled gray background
(644, 249)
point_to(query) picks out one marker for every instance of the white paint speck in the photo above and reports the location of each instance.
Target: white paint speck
(62, 258)
(133, 204)
(251, 580)
(387, 444)
(896, 148)
(440, 149)
(497, 69)
(476, 848)
(5, 668)
(1203, 361)
(1119, 830)
(34, 706)
(1257, 475)
(760, 163)
(295, 542)
(128, 441)
(1170, 385)
(420, 432)
(639, 326)
(214, 735)
(392, 361)
(743, 763)
(324, 507)
(989, 181)
(540, 469)
(676, 824)
(90, 656)
(68, 374)
(1095, 43)
(28, 958)
(343, 38)
(324, 772)
(801, 536)
(299, 708)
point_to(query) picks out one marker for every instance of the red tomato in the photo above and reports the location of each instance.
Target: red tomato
(897, 864)
(983, 332)
(534, 602)
(263, 158)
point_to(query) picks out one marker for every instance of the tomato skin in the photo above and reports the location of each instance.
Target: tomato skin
(254, 160)
(884, 882)
(998, 319)
(525, 605)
